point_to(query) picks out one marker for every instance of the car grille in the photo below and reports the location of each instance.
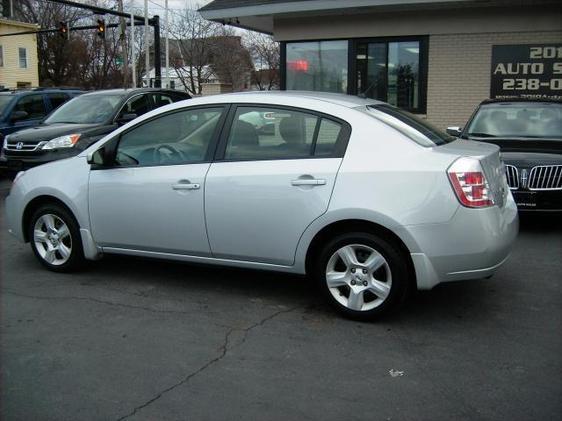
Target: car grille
(512, 176)
(545, 177)
(15, 146)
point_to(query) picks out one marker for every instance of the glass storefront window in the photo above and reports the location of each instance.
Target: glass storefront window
(390, 72)
(317, 66)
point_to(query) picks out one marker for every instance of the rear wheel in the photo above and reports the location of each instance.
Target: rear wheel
(55, 238)
(362, 275)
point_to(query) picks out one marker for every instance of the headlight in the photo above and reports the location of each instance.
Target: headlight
(5, 141)
(67, 141)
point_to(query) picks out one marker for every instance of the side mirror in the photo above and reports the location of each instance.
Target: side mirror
(125, 118)
(454, 131)
(18, 115)
(97, 157)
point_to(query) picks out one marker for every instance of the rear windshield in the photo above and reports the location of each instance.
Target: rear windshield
(521, 120)
(4, 101)
(417, 129)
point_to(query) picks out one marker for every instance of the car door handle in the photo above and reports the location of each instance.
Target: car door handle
(308, 182)
(186, 185)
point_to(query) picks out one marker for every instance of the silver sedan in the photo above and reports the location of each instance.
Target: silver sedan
(367, 199)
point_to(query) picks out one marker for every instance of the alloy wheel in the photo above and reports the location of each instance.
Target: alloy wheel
(358, 277)
(52, 239)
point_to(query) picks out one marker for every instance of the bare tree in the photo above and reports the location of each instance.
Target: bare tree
(191, 49)
(265, 54)
(84, 60)
(230, 60)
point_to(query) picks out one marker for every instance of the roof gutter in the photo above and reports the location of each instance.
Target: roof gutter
(309, 6)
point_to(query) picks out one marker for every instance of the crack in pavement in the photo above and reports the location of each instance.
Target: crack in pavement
(223, 352)
(110, 303)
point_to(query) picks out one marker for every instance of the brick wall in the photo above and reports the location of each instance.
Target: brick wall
(460, 70)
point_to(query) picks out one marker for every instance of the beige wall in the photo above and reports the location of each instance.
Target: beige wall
(424, 22)
(460, 71)
(460, 45)
(10, 72)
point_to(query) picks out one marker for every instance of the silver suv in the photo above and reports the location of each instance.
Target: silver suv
(368, 200)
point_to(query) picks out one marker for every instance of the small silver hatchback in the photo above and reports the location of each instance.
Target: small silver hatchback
(367, 199)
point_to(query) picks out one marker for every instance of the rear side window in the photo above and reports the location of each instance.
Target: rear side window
(328, 135)
(57, 99)
(33, 105)
(265, 133)
(417, 129)
(162, 99)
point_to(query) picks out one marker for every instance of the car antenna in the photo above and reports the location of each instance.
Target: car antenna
(364, 93)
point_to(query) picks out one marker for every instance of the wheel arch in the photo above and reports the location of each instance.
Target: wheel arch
(35, 204)
(359, 225)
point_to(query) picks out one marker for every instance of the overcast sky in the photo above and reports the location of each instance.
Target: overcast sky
(172, 4)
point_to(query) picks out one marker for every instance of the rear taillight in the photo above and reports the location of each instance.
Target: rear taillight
(469, 183)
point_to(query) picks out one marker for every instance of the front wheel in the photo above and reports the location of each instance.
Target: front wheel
(55, 238)
(362, 275)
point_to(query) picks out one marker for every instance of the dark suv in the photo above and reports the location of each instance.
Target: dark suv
(24, 109)
(529, 134)
(80, 122)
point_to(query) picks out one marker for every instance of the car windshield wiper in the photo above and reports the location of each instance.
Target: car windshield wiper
(482, 135)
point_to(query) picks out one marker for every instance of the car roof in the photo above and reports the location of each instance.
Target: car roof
(519, 100)
(38, 90)
(348, 101)
(130, 91)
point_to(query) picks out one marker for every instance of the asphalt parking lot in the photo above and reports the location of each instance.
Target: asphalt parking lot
(149, 340)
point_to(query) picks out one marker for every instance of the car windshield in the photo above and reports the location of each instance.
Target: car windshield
(4, 101)
(521, 120)
(417, 129)
(86, 109)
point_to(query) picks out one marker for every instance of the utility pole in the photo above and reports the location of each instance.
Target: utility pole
(133, 64)
(146, 46)
(124, 55)
(167, 83)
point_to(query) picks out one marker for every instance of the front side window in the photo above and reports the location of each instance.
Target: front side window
(264, 133)
(177, 138)
(33, 105)
(317, 66)
(521, 120)
(391, 72)
(57, 99)
(138, 105)
(23, 57)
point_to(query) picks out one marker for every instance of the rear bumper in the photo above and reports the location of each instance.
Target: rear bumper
(472, 245)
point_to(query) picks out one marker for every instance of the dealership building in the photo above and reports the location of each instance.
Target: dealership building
(436, 58)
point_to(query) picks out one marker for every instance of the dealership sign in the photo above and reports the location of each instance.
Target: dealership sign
(527, 71)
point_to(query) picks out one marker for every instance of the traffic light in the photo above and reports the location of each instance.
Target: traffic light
(101, 28)
(63, 30)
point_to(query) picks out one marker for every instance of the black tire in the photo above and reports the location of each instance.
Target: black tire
(395, 262)
(76, 258)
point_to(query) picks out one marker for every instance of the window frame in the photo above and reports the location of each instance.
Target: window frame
(352, 63)
(339, 149)
(113, 144)
(20, 49)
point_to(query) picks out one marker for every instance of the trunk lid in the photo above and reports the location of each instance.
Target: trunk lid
(489, 157)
